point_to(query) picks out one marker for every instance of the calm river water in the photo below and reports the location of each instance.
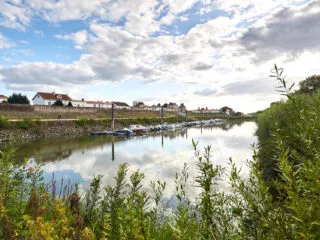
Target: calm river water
(159, 156)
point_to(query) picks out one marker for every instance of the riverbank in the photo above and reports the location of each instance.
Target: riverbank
(26, 130)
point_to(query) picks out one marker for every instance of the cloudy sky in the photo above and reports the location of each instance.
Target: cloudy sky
(200, 52)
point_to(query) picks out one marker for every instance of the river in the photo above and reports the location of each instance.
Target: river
(159, 156)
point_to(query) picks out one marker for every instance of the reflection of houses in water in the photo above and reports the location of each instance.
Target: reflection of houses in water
(53, 156)
(60, 149)
(226, 126)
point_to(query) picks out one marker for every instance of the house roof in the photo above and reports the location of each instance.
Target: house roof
(3, 97)
(99, 102)
(121, 104)
(93, 102)
(53, 96)
(226, 107)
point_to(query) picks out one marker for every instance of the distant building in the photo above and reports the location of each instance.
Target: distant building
(48, 99)
(79, 103)
(182, 108)
(3, 99)
(156, 107)
(173, 106)
(99, 104)
(227, 110)
(121, 105)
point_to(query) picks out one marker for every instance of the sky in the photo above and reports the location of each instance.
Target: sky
(203, 53)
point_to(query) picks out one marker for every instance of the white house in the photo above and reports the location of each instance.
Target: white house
(79, 103)
(3, 99)
(173, 106)
(107, 105)
(48, 99)
(98, 104)
(121, 105)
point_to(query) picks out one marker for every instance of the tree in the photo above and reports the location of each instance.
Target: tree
(17, 98)
(224, 109)
(137, 103)
(70, 104)
(310, 84)
(58, 103)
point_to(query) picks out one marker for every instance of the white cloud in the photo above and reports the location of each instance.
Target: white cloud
(79, 38)
(38, 33)
(5, 43)
(223, 51)
(14, 15)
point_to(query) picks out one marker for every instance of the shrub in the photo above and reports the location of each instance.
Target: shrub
(4, 122)
(82, 122)
(58, 103)
(26, 123)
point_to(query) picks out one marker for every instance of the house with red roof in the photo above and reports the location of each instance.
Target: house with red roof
(3, 98)
(48, 99)
(98, 104)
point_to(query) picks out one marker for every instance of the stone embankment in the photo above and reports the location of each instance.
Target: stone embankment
(52, 129)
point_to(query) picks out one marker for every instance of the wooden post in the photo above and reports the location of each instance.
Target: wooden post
(112, 116)
(201, 114)
(112, 149)
(186, 115)
(162, 115)
(162, 139)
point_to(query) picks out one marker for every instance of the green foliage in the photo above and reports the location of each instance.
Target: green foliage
(18, 98)
(4, 122)
(297, 123)
(26, 123)
(69, 104)
(82, 122)
(309, 85)
(58, 103)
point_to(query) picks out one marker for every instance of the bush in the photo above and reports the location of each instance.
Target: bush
(18, 98)
(82, 122)
(4, 122)
(26, 123)
(58, 103)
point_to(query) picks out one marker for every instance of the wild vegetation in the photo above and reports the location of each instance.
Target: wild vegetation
(296, 120)
(4, 122)
(32, 209)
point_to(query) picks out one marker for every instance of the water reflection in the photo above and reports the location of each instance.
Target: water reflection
(158, 155)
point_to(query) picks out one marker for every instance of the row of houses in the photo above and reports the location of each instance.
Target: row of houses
(167, 107)
(48, 99)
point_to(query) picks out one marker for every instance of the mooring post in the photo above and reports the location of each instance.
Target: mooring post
(162, 115)
(112, 116)
(112, 149)
(186, 115)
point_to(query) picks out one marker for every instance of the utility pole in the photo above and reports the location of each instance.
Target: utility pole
(162, 115)
(112, 116)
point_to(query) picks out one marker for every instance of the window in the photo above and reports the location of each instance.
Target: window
(49, 103)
